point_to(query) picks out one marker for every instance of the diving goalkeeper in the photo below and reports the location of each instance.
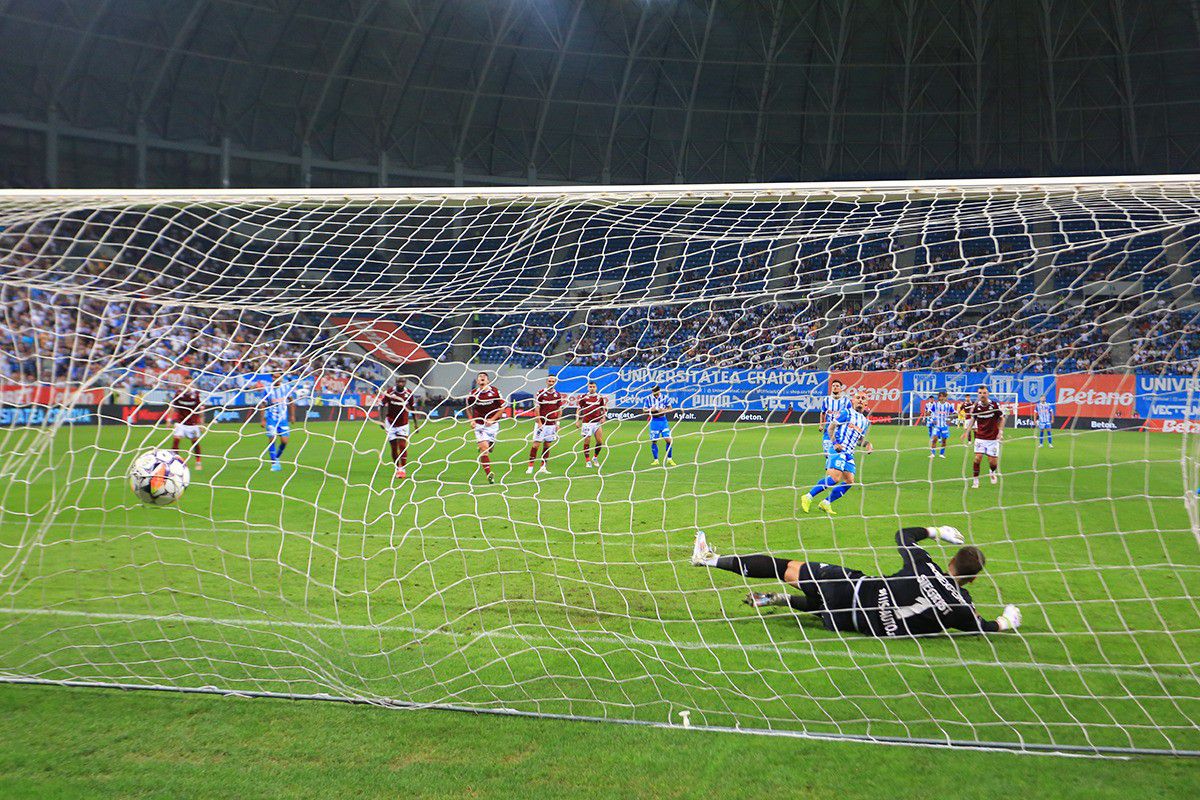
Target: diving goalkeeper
(918, 600)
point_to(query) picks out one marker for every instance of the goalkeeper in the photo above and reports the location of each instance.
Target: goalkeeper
(918, 600)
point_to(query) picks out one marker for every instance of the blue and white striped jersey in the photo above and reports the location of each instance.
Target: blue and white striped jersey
(658, 405)
(851, 430)
(1045, 413)
(834, 406)
(940, 412)
(277, 399)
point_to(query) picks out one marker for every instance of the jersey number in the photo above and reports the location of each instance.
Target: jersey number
(922, 605)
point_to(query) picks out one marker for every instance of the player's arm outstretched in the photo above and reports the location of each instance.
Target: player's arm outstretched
(964, 617)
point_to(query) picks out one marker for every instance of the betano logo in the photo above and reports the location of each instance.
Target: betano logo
(1094, 397)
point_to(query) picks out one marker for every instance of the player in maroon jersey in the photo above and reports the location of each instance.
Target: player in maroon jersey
(188, 408)
(396, 409)
(590, 416)
(985, 418)
(484, 408)
(549, 403)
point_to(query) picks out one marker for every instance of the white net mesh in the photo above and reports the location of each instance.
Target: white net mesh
(571, 593)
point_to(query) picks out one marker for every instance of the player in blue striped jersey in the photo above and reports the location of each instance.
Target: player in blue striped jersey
(831, 408)
(276, 419)
(1045, 422)
(925, 413)
(657, 409)
(937, 415)
(849, 431)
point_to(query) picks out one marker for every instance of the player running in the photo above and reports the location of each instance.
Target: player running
(985, 419)
(188, 405)
(592, 411)
(1045, 423)
(397, 411)
(849, 430)
(657, 409)
(549, 403)
(938, 415)
(276, 420)
(919, 600)
(484, 408)
(831, 408)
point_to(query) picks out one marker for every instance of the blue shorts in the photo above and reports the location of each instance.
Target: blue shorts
(843, 462)
(659, 428)
(276, 429)
(939, 431)
(1044, 426)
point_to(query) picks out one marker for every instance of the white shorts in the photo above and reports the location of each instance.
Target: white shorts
(186, 431)
(989, 447)
(487, 433)
(589, 428)
(545, 433)
(395, 432)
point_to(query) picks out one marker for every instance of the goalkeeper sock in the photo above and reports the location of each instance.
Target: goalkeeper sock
(838, 491)
(821, 486)
(756, 566)
(654, 450)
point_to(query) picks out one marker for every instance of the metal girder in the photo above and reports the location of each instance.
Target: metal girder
(401, 87)
(681, 159)
(506, 23)
(634, 48)
(1050, 50)
(352, 38)
(772, 55)
(181, 36)
(85, 41)
(1121, 39)
(835, 89)
(226, 151)
(544, 110)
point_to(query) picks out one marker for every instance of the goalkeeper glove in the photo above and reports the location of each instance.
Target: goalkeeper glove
(1010, 620)
(946, 533)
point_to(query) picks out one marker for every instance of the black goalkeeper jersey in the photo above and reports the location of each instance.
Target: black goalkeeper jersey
(918, 600)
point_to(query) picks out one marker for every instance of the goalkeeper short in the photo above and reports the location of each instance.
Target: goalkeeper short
(829, 590)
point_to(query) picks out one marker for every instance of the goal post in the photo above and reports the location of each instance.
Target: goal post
(299, 563)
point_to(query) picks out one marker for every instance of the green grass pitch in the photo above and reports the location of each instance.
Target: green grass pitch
(571, 594)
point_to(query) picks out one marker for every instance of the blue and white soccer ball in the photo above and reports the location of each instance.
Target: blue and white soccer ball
(159, 477)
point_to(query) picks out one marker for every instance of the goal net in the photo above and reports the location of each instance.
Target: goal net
(298, 564)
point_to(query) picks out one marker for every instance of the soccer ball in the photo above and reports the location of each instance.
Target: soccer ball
(159, 477)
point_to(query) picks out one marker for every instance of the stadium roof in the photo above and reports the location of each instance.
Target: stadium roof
(414, 92)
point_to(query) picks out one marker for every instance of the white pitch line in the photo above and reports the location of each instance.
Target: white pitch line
(1148, 673)
(593, 538)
